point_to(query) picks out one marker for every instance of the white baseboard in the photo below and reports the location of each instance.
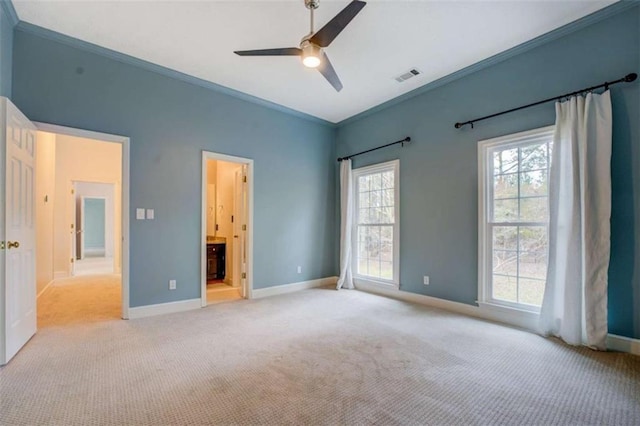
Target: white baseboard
(520, 319)
(44, 289)
(290, 288)
(164, 308)
(623, 344)
(60, 274)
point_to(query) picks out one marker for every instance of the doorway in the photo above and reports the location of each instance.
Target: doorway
(82, 226)
(95, 217)
(226, 228)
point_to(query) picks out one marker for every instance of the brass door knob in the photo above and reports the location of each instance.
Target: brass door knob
(12, 244)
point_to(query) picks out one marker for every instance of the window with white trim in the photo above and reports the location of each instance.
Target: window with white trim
(514, 218)
(376, 223)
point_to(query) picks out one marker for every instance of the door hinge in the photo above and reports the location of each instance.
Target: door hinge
(1, 245)
(244, 227)
(73, 191)
(244, 275)
(244, 179)
(71, 260)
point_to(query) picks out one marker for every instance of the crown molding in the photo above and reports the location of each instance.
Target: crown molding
(10, 11)
(567, 29)
(45, 33)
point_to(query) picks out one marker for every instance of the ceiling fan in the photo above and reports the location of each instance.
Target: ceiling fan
(311, 46)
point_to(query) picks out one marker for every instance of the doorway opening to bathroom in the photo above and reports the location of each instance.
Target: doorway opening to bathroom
(226, 228)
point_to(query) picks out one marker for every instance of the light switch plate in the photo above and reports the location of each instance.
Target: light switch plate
(140, 214)
(150, 214)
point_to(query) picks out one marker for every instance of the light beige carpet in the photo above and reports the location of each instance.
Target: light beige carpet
(313, 357)
(80, 299)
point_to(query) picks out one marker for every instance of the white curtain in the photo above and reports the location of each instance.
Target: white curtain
(346, 210)
(575, 300)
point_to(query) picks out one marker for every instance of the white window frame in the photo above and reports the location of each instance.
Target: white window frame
(485, 190)
(394, 166)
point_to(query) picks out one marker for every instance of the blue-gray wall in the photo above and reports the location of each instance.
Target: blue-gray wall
(94, 223)
(170, 122)
(6, 50)
(438, 171)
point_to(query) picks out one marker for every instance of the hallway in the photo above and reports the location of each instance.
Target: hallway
(80, 300)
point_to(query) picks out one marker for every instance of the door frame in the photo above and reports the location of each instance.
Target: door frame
(124, 205)
(248, 285)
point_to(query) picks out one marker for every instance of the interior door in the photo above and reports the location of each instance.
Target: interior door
(81, 227)
(19, 229)
(242, 240)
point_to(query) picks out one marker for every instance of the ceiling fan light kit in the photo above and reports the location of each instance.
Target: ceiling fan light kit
(311, 46)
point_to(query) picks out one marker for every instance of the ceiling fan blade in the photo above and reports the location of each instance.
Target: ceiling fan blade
(326, 69)
(285, 51)
(330, 31)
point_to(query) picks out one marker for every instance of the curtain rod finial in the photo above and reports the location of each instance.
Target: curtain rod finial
(630, 77)
(458, 125)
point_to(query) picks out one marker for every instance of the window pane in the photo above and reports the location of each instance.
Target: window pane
(505, 210)
(533, 209)
(505, 186)
(376, 198)
(505, 262)
(533, 265)
(505, 161)
(374, 268)
(387, 180)
(376, 181)
(533, 183)
(533, 238)
(363, 183)
(363, 200)
(505, 238)
(386, 270)
(533, 157)
(386, 215)
(531, 291)
(505, 288)
(372, 242)
(362, 267)
(387, 197)
(363, 216)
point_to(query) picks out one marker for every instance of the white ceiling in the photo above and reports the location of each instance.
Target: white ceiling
(385, 40)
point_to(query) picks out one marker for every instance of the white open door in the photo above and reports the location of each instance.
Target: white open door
(240, 230)
(17, 241)
(81, 228)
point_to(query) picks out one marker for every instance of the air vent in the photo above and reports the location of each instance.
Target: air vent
(409, 74)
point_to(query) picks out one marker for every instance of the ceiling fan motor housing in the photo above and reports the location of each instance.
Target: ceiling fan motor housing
(312, 4)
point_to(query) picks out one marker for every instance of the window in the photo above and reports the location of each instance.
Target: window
(513, 223)
(376, 230)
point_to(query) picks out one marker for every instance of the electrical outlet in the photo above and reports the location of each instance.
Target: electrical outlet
(299, 269)
(425, 280)
(172, 284)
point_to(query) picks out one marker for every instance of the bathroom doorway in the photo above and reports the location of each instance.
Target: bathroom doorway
(226, 236)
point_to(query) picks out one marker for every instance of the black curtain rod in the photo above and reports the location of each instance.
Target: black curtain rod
(407, 139)
(626, 79)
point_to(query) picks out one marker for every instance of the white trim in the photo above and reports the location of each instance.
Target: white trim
(248, 284)
(164, 308)
(484, 241)
(623, 344)
(124, 193)
(523, 319)
(293, 287)
(45, 288)
(393, 165)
